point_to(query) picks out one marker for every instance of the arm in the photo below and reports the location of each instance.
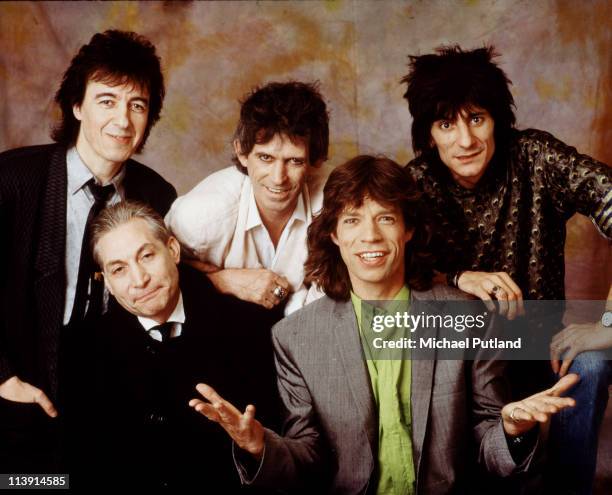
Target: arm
(256, 285)
(294, 460)
(577, 338)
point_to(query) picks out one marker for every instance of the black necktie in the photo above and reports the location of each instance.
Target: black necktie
(87, 266)
(164, 330)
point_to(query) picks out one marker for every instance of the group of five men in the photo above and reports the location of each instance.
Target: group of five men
(97, 368)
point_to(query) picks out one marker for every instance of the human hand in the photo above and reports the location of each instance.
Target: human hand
(499, 285)
(573, 340)
(243, 428)
(16, 390)
(520, 417)
(256, 285)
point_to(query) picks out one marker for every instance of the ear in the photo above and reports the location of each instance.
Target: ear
(334, 238)
(408, 235)
(175, 249)
(76, 111)
(238, 150)
(107, 285)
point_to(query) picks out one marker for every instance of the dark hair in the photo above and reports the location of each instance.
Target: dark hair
(114, 58)
(385, 182)
(441, 85)
(295, 109)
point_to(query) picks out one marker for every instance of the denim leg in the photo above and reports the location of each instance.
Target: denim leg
(574, 431)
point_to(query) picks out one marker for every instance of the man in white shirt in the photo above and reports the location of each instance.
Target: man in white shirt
(245, 226)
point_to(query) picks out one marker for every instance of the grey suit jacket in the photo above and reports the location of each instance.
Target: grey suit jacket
(331, 430)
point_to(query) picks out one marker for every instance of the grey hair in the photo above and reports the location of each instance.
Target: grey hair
(116, 215)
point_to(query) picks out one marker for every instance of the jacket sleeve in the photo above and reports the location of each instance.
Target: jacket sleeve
(295, 460)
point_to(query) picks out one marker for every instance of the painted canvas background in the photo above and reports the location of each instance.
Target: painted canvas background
(557, 53)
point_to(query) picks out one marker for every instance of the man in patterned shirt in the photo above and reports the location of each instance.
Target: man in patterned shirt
(501, 198)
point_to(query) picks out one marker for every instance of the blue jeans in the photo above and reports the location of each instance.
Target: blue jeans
(574, 431)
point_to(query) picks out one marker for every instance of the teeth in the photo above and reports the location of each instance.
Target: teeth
(377, 254)
(274, 190)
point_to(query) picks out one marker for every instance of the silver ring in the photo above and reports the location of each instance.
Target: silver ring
(279, 292)
(496, 289)
(512, 415)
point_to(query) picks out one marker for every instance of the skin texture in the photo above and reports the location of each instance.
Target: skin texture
(140, 270)
(113, 121)
(373, 229)
(465, 144)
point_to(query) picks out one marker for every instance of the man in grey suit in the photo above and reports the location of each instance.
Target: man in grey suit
(389, 426)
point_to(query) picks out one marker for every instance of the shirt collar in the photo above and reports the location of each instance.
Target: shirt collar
(177, 316)
(254, 218)
(79, 174)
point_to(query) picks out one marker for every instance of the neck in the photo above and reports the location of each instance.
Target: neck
(374, 292)
(275, 224)
(102, 170)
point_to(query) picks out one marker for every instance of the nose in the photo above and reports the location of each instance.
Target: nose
(122, 116)
(140, 277)
(465, 138)
(370, 231)
(279, 172)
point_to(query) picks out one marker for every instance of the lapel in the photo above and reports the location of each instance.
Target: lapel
(344, 326)
(51, 250)
(421, 389)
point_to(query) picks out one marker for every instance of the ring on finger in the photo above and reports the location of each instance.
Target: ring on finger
(279, 292)
(512, 415)
(497, 290)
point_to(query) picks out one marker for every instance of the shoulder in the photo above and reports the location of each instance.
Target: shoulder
(23, 160)
(535, 141)
(214, 199)
(308, 321)
(146, 174)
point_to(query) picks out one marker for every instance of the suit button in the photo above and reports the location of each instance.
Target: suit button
(151, 350)
(156, 419)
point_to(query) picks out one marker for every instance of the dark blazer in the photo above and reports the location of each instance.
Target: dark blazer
(331, 424)
(33, 184)
(143, 430)
(33, 188)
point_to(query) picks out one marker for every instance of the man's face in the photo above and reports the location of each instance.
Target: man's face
(465, 145)
(140, 270)
(372, 240)
(113, 122)
(277, 170)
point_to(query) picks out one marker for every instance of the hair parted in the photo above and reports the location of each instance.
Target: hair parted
(123, 212)
(293, 108)
(385, 182)
(114, 58)
(443, 84)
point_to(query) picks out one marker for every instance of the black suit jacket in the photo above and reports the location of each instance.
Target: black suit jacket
(33, 182)
(143, 430)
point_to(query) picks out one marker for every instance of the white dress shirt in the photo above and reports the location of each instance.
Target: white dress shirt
(177, 318)
(218, 222)
(79, 202)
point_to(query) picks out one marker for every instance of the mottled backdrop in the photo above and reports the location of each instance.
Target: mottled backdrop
(556, 53)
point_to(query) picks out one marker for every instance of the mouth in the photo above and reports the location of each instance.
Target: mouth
(124, 140)
(278, 191)
(148, 295)
(469, 157)
(372, 257)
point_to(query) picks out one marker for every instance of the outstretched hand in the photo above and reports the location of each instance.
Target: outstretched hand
(243, 428)
(520, 417)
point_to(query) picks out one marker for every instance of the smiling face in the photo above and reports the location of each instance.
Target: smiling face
(277, 170)
(466, 144)
(372, 241)
(113, 122)
(140, 270)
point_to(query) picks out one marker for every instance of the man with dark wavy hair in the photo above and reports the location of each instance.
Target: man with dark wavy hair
(501, 198)
(110, 97)
(356, 424)
(245, 226)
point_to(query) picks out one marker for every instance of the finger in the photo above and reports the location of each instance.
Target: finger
(210, 412)
(43, 401)
(283, 282)
(563, 385)
(533, 413)
(519, 414)
(486, 298)
(511, 286)
(567, 361)
(554, 363)
(222, 406)
(249, 412)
